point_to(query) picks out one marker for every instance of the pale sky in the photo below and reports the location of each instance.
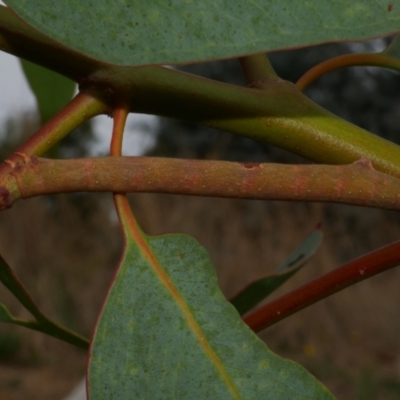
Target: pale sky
(16, 98)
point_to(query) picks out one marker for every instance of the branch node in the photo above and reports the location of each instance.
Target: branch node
(25, 158)
(365, 163)
(11, 163)
(264, 83)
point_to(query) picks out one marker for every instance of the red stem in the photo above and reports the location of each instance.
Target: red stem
(357, 183)
(120, 116)
(81, 108)
(348, 60)
(355, 271)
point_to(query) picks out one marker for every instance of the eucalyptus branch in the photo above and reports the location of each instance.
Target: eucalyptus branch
(257, 67)
(358, 183)
(279, 114)
(353, 272)
(81, 108)
(347, 60)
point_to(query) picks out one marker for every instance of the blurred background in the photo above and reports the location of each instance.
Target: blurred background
(65, 247)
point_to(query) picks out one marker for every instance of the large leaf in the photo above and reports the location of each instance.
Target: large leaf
(261, 288)
(139, 32)
(52, 91)
(167, 332)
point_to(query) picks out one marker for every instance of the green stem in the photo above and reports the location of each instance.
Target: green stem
(278, 114)
(79, 109)
(257, 67)
(356, 183)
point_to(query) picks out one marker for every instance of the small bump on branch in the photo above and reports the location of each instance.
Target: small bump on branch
(357, 183)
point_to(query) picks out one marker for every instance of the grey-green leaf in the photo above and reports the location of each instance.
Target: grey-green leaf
(139, 32)
(15, 286)
(260, 289)
(52, 91)
(167, 332)
(303, 252)
(5, 315)
(393, 50)
(42, 323)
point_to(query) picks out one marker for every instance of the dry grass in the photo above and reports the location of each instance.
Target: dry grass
(66, 256)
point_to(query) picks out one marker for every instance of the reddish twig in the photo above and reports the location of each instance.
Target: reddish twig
(353, 272)
(358, 183)
(347, 60)
(121, 203)
(81, 108)
(120, 115)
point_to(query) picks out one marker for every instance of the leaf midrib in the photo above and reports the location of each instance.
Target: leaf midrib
(139, 239)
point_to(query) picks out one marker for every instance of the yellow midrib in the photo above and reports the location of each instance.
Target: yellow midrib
(136, 234)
